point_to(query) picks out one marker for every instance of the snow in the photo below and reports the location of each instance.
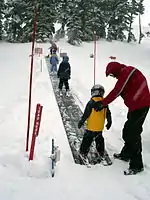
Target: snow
(21, 179)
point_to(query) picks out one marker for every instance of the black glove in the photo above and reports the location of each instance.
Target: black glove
(98, 106)
(80, 124)
(108, 125)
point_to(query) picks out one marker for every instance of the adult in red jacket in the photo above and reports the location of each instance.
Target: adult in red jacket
(133, 88)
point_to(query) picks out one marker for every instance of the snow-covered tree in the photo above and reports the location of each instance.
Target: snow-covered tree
(81, 18)
(14, 15)
(117, 21)
(136, 7)
(46, 19)
(74, 28)
(20, 16)
(62, 8)
(85, 17)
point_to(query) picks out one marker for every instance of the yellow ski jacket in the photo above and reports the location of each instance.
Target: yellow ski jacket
(95, 119)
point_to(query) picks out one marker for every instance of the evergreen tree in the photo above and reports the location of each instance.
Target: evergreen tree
(74, 30)
(85, 17)
(46, 19)
(28, 21)
(117, 23)
(20, 19)
(80, 17)
(62, 9)
(92, 19)
(1, 18)
(14, 14)
(135, 7)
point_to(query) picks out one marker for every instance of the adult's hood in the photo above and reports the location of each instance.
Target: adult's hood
(114, 68)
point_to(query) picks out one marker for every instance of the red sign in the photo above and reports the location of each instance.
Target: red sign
(36, 128)
(63, 54)
(38, 50)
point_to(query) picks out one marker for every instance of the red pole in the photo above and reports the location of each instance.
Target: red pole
(94, 55)
(31, 72)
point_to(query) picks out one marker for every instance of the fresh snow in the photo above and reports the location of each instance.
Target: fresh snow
(21, 179)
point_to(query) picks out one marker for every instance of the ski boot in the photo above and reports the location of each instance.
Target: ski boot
(84, 160)
(118, 156)
(60, 92)
(130, 171)
(67, 93)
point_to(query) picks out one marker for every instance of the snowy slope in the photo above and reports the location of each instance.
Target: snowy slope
(20, 179)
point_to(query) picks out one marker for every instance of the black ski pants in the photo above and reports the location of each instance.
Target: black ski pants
(63, 81)
(132, 130)
(88, 138)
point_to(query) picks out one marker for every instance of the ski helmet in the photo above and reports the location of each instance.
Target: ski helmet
(65, 58)
(97, 90)
(53, 51)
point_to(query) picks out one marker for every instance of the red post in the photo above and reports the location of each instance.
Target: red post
(31, 72)
(94, 55)
(36, 128)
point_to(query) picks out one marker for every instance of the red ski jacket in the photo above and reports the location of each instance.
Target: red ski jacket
(131, 86)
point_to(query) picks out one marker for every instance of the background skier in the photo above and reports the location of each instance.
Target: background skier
(133, 88)
(53, 47)
(54, 61)
(95, 124)
(64, 73)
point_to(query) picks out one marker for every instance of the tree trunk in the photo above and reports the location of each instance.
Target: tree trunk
(130, 27)
(140, 29)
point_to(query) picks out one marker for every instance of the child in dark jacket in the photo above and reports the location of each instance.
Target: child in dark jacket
(95, 123)
(64, 73)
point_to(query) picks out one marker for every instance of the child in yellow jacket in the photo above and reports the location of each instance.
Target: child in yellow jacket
(95, 123)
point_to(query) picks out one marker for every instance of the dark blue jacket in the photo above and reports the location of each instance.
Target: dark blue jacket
(64, 70)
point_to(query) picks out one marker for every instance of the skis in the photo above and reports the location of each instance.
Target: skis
(105, 160)
(84, 161)
(94, 159)
(64, 93)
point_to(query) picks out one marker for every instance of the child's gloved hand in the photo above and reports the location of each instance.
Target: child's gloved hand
(80, 124)
(108, 125)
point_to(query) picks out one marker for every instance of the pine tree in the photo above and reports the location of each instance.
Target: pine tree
(74, 27)
(117, 22)
(136, 7)
(28, 22)
(85, 17)
(14, 14)
(62, 9)
(92, 19)
(1, 18)
(46, 19)
(20, 19)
